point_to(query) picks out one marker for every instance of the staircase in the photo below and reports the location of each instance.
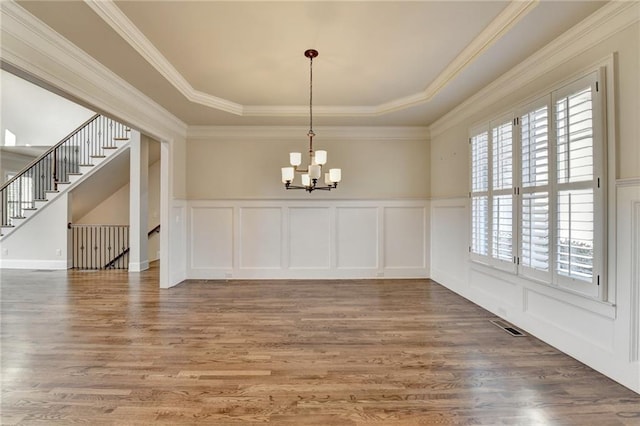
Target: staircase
(58, 169)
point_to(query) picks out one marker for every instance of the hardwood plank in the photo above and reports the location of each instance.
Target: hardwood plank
(110, 347)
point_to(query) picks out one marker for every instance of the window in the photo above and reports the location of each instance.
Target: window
(537, 200)
(492, 194)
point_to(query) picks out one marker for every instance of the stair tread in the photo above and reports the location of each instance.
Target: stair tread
(98, 156)
(109, 147)
(74, 174)
(120, 139)
(29, 208)
(51, 190)
(85, 165)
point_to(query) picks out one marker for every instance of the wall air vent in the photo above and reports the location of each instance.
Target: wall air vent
(508, 328)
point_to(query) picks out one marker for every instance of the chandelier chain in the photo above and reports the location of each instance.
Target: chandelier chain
(311, 95)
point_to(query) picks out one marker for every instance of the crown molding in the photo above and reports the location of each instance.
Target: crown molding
(31, 46)
(510, 16)
(116, 19)
(279, 133)
(633, 181)
(112, 15)
(602, 24)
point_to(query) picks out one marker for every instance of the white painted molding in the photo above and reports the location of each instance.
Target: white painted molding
(511, 15)
(610, 19)
(452, 201)
(138, 266)
(33, 264)
(112, 15)
(634, 323)
(225, 133)
(116, 19)
(33, 47)
(261, 239)
(635, 181)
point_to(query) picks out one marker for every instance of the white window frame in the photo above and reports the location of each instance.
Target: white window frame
(596, 288)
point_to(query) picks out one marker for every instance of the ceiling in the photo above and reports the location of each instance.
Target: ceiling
(395, 63)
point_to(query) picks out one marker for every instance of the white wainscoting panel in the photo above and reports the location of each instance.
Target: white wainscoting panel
(177, 256)
(309, 238)
(603, 335)
(449, 242)
(405, 237)
(628, 262)
(260, 238)
(212, 237)
(314, 239)
(357, 237)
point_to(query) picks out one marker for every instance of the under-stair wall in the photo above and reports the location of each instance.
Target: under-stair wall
(40, 243)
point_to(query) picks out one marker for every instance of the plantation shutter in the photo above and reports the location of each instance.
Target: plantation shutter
(535, 250)
(577, 184)
(480, 194)
(502, 226)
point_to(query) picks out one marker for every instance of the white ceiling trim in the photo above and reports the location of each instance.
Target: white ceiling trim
(267, 133)
(33, 47)
(117, 20)
(610, 19)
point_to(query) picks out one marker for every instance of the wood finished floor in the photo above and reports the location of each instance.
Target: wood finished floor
(111, 348)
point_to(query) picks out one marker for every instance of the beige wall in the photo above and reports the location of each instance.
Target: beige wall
(449, 155)
(178, 169)
(371, 169)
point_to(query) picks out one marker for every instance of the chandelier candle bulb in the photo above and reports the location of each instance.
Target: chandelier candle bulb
(335, 175)
(306, 181)
(321, 157)
(287, 174)
(314, 171)
(327, 179)
(295, 158)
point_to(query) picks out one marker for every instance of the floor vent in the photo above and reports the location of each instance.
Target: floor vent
(508, 328)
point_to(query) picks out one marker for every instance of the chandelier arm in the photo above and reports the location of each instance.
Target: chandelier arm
(312, 188)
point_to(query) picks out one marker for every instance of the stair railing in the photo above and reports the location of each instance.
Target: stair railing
(54, 167)
(92, 246)
(114, 262)
(101, 246)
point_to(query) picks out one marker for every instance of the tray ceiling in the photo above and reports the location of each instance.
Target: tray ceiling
(241, 63)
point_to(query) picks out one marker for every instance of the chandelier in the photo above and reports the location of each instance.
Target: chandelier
(310, 175)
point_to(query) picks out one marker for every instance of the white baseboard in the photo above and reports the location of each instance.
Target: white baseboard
(138, 266)
(33, 264)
